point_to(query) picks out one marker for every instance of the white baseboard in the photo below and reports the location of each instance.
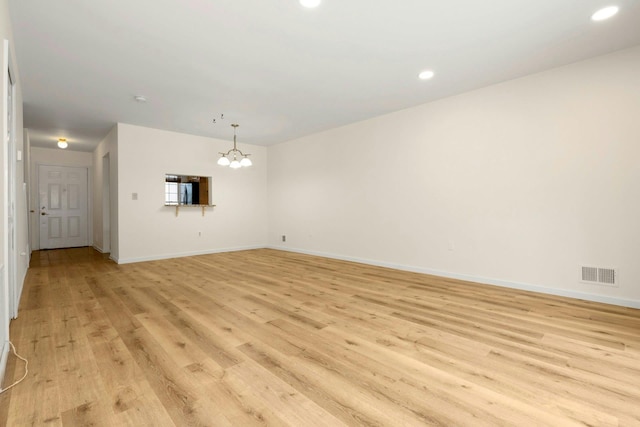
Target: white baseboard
(4, 357)
(185, 254)
(496, 282)
(98, 248)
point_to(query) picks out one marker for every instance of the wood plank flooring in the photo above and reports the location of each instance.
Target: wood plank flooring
(265, 337)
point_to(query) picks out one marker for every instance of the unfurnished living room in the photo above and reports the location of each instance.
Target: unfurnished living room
(320, 213)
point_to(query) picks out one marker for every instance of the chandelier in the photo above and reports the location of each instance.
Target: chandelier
(234, 163)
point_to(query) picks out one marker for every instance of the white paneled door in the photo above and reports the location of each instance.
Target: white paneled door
(63, 207)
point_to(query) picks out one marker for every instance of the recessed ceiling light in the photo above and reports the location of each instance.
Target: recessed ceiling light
(62, 143)
(310, 3)
(605, 13)
(426, 75)
(140, 98)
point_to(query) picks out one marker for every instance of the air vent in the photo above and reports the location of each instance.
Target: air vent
(599, 275)
(607, 276)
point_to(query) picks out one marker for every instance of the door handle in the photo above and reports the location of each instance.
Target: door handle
(43, 213)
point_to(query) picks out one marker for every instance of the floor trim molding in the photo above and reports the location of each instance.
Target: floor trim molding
(487, 281)
(4, 357)
(185, 254)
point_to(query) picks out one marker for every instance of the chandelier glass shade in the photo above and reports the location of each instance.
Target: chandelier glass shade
(234, 158)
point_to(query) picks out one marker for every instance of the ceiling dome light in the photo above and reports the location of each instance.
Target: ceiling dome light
(605, 13)
(310, 3)
(426, 75)
(62, 143)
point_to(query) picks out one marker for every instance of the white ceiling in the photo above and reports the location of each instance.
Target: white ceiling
(278, 69)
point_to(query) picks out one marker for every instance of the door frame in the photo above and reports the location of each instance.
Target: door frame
(35, 200)
(10, 201)
(8, 281)
(106, 203)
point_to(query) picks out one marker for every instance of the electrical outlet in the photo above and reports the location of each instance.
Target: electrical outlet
(284, 238)
(134, 196)
(199, 233)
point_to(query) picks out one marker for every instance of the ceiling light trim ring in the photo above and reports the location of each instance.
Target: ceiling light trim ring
(605, 13)
(426, 74)
(310, 3)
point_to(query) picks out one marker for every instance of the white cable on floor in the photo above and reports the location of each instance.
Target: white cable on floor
(26, 369)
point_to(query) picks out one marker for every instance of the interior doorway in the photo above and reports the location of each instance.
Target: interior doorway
(106, 205)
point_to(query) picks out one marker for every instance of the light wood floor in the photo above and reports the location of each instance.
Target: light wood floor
(273, 338)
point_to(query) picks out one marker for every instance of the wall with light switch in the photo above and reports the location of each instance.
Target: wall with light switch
(149, 230)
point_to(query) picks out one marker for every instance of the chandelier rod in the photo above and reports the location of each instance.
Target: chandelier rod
(235, 126)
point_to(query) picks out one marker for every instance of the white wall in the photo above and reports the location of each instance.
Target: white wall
(149, 230)
(53, 157)
(59, 157)
(515, 184)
